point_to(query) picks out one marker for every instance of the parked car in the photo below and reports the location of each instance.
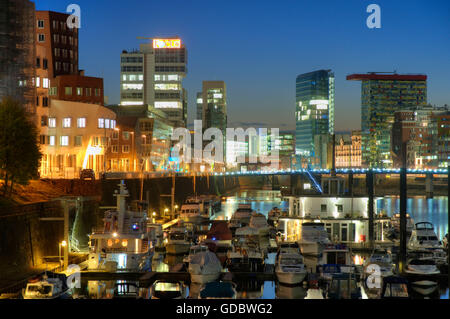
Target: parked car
(87, 174)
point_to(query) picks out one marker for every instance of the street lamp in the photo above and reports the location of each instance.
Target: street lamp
(61, 244)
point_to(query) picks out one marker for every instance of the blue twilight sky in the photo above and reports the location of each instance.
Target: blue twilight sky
(259, 47)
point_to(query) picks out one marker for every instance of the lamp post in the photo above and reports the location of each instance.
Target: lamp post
(62, 244)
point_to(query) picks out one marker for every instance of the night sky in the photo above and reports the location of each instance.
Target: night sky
(259, 47)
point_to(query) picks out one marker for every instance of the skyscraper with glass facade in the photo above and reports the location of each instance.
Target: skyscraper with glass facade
(381, 96)
(314, 114)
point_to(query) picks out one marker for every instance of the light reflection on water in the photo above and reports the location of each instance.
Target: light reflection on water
(421, 209)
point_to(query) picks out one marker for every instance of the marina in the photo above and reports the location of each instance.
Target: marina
(291, 258)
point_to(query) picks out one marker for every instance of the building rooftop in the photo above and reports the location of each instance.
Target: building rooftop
(387, 77)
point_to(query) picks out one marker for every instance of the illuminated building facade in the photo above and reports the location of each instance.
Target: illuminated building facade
(382, 95)
(417, 135)
(141, 142)
(154, 76)
(348, 150)
(314, 114)
(74, 136)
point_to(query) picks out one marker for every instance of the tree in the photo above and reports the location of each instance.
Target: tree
(19, 152)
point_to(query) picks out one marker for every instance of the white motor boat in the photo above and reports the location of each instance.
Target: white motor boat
(47, 288)
(314, 238)
(422, 274)
(241, 216)
(125, 240)
(259, 222)
(335, 259)
(178, 242)
(290, 269)
(193, 212)
(423, 236)
(204, 267)
(193, 251)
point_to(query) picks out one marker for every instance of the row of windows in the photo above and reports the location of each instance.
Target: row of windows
(81, 122)
(63, 140)
(132, 95)
(44, 63)
(63, 39)
(132, 77)
(64, 66)
(68, 90)
(65, 53)
(125, 149)
(167, 96)
(180, 69)
(132, 69)
(45, 82)
(132, 60)
(62, 25)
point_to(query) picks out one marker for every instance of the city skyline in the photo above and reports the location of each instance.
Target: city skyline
(239, 50)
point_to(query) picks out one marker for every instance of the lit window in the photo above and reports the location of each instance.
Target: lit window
(141, 77)
(67, 122)
(79, 91)
(45, 83)
(113, 124)
(173, 77)
(101, 123)
(81, 122)
(126, 149)
(168, 105)
(133, 86)
(51, 140)
(64, 141)
(38, 82)
(52, 122)
(166, 86)
(107, 123)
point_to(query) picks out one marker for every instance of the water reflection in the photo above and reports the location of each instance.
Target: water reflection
(432, 210)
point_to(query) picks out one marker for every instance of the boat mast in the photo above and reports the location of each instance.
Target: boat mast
(121, 198)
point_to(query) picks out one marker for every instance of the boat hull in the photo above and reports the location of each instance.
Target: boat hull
(424, 287)
(291, 278)
(204, 278)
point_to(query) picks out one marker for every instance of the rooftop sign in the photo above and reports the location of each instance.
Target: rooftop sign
(166, 43)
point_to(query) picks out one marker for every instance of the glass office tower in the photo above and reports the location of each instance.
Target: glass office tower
(381, 96)
(314, 115)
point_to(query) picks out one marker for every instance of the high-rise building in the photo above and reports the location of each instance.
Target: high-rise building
(17, 52)
(416, 136)
(314, 114)
(154, 76)
(382, 95)
(214, 110)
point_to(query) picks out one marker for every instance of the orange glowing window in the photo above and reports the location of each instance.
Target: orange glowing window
(110, 243)
(166, 43)
(125, 243)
